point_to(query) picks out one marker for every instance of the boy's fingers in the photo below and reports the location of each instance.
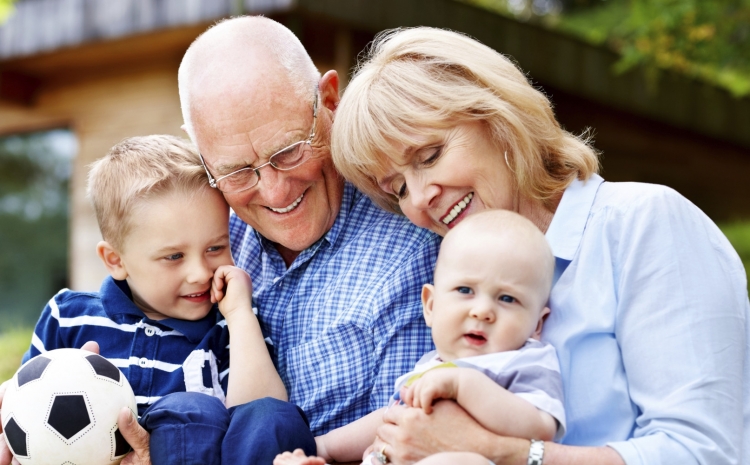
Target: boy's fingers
(91, 346)
(5, 455)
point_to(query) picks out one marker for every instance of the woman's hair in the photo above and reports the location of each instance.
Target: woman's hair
(138, 169)
(413, 81)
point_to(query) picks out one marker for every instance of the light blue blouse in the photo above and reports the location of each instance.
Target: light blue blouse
(650, 321)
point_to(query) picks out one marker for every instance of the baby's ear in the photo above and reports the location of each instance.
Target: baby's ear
(112, 260)
(428, 290)
(538, 331)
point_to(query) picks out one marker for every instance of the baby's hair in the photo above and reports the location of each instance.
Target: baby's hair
(505, 225)
(140, 168)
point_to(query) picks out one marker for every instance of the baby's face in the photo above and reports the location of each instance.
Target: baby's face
(488, 297)
(175, 244)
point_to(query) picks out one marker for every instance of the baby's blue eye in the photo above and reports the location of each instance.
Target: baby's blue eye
(174, 256)
(507, 299)
(464, 290)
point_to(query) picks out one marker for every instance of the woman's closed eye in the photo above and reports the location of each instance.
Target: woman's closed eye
(430, 156)
(399, 189)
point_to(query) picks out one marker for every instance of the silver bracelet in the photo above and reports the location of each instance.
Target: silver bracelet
(536, 452)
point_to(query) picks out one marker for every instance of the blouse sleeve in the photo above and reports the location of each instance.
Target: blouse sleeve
(681, 328)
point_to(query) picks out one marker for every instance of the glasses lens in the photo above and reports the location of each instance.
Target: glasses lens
(238, 181)
(292, 156)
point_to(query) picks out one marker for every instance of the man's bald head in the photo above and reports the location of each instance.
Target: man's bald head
(249, 52)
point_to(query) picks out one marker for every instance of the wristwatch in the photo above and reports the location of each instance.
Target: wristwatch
(536, 452)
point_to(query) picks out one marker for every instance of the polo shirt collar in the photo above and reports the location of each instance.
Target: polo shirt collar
(566, 229)
(117, 299)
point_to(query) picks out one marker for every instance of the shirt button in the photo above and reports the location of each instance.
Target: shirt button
(150, 332)
(143, 362)
(255, 310)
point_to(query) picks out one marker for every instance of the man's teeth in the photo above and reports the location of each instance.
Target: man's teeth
(460, 206)
(289, 208)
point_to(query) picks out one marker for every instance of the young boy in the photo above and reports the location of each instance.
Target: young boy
(166, 248)
(492, 282)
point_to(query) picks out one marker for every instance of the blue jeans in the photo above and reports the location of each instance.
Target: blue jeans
(190, 428)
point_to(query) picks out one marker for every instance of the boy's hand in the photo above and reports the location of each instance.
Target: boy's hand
(232, 289)
(433, 385)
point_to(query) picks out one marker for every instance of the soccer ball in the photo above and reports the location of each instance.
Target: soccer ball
(61, 408)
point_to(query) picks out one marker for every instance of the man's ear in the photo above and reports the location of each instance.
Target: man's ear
(112, 260)
(428, 291)
(538, 331)
(328, 87)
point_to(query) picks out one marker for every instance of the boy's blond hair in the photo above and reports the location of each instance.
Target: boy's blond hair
(140, 168)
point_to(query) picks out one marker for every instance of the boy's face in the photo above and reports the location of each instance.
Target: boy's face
(488, 297)
(174, 246)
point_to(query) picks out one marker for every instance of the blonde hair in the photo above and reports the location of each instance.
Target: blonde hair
(416, 80)
(140, 168)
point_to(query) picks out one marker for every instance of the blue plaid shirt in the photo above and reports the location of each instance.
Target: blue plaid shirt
(345, 319)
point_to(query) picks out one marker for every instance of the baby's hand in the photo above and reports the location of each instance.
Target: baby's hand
(440, 383)
(238, 292)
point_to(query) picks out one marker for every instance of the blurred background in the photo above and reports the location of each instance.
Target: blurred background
(662, 85)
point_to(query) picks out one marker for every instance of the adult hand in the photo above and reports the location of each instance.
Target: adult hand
(136, 436)
(409, 434)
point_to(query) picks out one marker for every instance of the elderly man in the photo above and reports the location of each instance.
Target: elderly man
(336, 280)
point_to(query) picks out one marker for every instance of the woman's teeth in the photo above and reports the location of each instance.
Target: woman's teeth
(290, 207)
(458, 208)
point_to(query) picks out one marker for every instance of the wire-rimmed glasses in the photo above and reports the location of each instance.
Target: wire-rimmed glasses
(284, 160)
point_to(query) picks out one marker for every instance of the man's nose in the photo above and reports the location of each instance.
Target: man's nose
(273, 186)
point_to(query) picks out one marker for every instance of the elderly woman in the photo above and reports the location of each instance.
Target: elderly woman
(649, 309)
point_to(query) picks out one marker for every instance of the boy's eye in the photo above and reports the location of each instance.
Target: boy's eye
(216, 248)
(464, 290)
(507, 299)
(174, 256)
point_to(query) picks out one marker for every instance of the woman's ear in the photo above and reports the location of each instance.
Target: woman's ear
(427, 299)
(538, 331)
(112, 260)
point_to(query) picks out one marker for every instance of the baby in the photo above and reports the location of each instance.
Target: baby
(492, 282)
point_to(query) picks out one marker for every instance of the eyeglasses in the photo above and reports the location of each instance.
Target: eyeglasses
(284, 160)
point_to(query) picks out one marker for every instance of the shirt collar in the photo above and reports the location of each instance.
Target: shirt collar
(117, 299)
(566, 229)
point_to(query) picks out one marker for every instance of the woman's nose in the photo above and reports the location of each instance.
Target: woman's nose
(422, 194)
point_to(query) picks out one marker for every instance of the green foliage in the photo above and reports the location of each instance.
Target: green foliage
(738, 234)
(704, 39)
(6, 8)
(34, 175)
(13, 344)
